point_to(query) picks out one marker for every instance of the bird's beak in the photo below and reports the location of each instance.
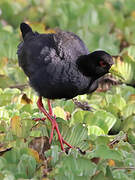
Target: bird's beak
(114, 71)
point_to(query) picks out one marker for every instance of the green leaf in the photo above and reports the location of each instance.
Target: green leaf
(69, 106)
(119, 174)
(104, 152)
(131, 51)
(116, 73)
(8, 95)
(126, 68)
(117, 126)
(119, 101)
(35, 133)
(72, 168)
(12, 156)
(76, 136)
(4, 114)
(54, 154)
(129, 110)
(3, 163)
(26, 166)
(102, 140)
(78, 116)
(109, 43)
(59, 112)
(131, 136)
(8, 175)
(109, 173)
(100, 176)
(128, 123)
(129, 162)
(16, 126)
(103, 120)
(95, 130)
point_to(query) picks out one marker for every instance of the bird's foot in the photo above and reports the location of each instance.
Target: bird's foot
(83, 105)
(53, 122)
(55, 127)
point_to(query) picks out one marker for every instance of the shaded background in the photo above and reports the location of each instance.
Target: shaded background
(102, 24)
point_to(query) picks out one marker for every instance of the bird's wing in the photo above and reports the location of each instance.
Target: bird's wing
(36, 51)
(69, 45)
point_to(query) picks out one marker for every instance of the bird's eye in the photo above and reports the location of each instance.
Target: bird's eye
(102, 63)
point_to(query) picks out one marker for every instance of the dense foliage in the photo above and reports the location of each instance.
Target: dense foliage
(104, 139)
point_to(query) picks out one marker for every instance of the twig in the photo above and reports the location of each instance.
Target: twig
(132, 168)
(117, 139)
(19, 86)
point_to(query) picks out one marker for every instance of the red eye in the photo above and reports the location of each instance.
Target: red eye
(102, 63)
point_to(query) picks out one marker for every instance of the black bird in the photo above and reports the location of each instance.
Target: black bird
(59, 65)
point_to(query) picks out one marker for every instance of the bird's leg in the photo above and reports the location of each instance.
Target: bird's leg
(51, 114)
(40, 119)
(53, 122)
(50, 107)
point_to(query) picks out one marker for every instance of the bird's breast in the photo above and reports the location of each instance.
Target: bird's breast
(59, 80)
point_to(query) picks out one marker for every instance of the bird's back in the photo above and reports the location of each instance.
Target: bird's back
(69, 45)
(40, 49)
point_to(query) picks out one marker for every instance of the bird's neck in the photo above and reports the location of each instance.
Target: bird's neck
(84, 66)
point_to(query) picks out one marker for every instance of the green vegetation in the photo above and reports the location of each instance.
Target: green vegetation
(104, 139)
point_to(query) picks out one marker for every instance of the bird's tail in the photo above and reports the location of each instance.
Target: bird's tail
(25, 28)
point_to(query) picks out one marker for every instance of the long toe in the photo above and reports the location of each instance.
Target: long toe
(83, 105)
(60, 138)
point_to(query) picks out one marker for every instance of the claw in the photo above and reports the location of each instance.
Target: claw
(83, 105)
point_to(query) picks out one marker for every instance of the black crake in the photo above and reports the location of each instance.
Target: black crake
(59, 65)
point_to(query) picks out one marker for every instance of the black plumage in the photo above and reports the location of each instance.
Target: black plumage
(59, 65)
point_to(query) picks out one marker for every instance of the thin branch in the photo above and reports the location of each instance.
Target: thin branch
(19, 86)
(132, 168)
(117, 139)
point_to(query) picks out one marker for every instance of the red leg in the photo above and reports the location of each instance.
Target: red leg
(40, 119)
(53, 122)
(50, 107)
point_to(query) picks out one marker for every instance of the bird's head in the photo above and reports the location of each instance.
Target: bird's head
(95, 64)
